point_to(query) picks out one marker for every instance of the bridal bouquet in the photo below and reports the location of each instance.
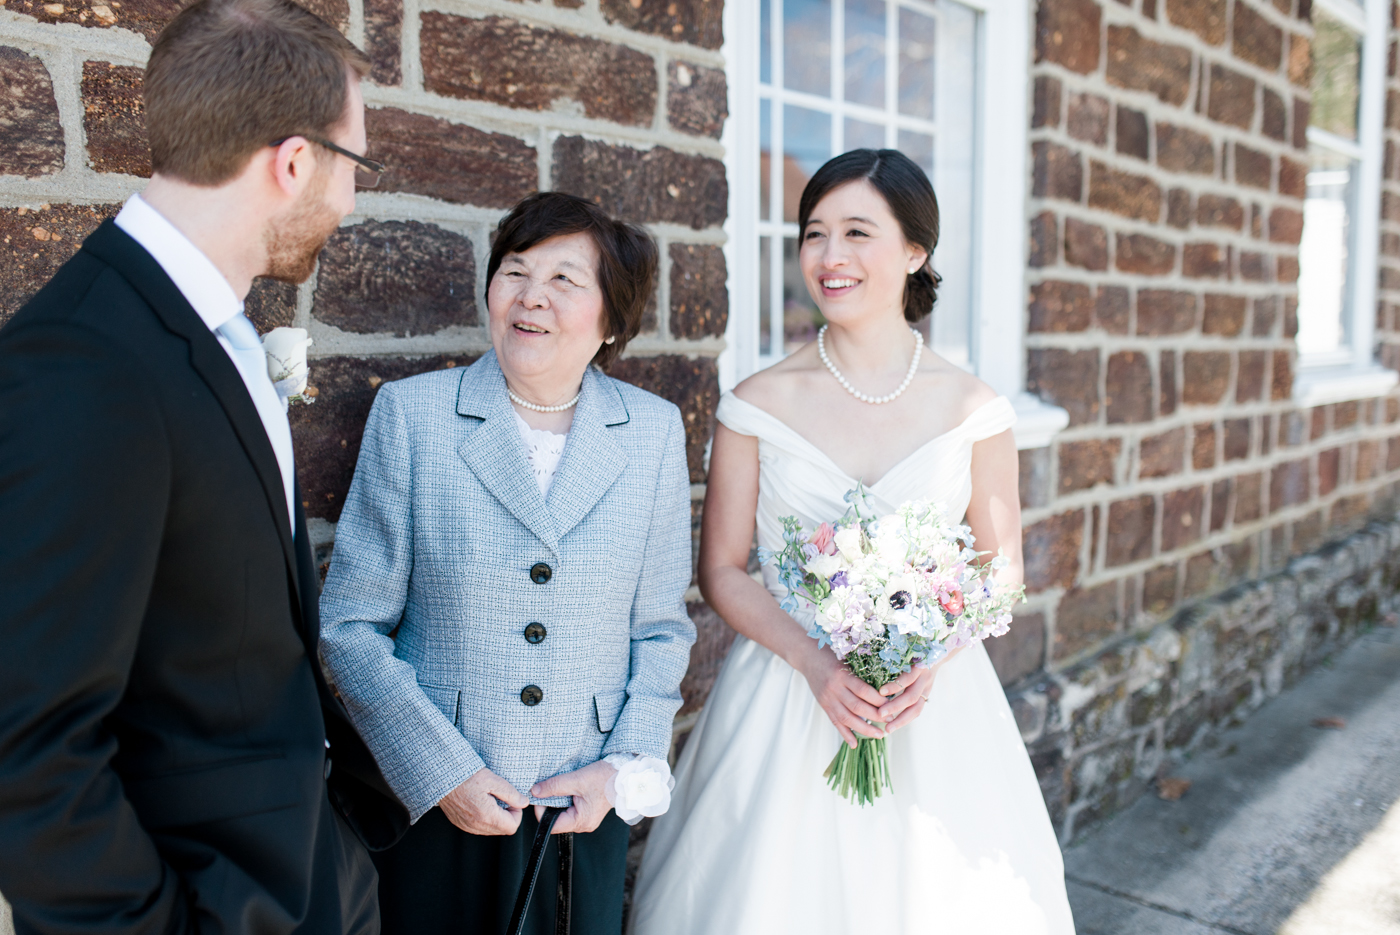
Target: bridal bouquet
(888, 593)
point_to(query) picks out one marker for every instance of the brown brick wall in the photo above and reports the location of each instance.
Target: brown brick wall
(472, 108)
(1168, 174)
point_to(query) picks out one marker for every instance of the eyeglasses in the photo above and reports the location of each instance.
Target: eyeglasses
(367, 171)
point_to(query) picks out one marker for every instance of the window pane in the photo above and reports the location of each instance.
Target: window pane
(862, 135)
(955, 181)
(1336, 82)
(806, 145)
(916, 38)
(765, 41)
(800, 316)
(807, 46)
(865, 53)
(765, 157)
(1323, 252)
(765, 295)
(918, 147)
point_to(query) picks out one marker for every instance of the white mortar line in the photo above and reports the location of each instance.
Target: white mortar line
(587, 21)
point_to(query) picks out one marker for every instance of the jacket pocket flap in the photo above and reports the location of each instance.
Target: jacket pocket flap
(231, 789)
(447, 701)
(607, 707)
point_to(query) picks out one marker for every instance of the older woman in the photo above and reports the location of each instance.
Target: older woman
(503, 614)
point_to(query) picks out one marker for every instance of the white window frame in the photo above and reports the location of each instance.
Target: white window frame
(999, 210)
(1351, 371)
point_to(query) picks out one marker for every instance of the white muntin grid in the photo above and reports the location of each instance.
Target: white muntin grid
(1350, 371)
(953, 27)
(985, 260)
(1338, 337)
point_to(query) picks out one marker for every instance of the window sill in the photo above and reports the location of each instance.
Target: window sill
(1037, 422)
(1318, 385)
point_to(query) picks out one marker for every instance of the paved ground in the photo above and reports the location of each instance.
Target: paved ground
(1287, 828)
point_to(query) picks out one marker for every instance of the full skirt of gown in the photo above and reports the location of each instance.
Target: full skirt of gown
(756, 842)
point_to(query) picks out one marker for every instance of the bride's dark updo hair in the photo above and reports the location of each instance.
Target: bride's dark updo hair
(910, 196)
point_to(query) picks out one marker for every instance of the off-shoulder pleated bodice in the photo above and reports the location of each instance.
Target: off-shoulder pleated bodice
(796, 478)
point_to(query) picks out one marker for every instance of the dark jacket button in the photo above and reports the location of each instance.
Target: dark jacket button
(540, 573)
(535, 633)
(531, 695)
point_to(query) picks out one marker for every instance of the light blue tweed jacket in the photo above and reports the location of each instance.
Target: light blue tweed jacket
(430, 589)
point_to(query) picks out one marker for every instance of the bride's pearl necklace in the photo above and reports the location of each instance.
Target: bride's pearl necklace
(560, 408)
(876, 400)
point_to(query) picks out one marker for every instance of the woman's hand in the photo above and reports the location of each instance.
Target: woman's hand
(847, 700)
(586, 786)
(485, 804)
(907, 696)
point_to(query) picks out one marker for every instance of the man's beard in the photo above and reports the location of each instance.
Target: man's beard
(294, 243)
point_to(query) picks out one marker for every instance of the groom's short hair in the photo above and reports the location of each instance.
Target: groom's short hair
(228, 77)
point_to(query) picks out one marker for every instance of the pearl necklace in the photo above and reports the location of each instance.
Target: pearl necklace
(875, 400)
(560, 408)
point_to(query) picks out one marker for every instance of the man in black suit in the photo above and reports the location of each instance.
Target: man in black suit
(165, 732)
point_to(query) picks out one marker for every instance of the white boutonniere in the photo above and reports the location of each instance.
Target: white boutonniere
(286, 364)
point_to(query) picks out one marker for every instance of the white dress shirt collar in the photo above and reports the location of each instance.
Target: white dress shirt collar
(206, 289)
(197, 278)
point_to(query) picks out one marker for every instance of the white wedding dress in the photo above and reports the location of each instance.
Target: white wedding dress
(755, 841)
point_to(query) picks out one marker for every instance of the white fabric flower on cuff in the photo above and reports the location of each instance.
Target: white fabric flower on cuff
(641, 788)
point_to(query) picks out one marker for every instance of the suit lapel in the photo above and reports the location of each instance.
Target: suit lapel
(118, 250)
(495, 451)
(593, 460)
(308, 580)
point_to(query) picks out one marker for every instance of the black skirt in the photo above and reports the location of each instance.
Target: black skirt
(439, 880)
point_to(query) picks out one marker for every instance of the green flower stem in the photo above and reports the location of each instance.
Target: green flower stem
(861, 775)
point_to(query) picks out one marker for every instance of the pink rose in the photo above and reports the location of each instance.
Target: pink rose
(952, 603)
(825, 539)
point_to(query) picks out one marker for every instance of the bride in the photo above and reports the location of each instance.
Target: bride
(755, 841)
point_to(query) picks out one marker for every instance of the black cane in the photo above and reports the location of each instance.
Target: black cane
(532, 873)
(564, 901)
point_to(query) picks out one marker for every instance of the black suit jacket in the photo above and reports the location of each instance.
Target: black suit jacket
(163, 720)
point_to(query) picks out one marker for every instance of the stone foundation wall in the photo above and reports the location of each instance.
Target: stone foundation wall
(1101, 731)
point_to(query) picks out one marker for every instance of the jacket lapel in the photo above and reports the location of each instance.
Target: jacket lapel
(495, 451)
(593, 460)
(128, 258)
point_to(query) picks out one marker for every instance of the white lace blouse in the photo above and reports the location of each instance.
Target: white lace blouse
(642, 786)
(543, 448)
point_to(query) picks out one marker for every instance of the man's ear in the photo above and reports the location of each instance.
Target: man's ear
(292, 164)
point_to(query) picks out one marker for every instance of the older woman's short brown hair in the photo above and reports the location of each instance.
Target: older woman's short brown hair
(626, 265)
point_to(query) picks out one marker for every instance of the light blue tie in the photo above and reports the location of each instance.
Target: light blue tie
(246, 344)
(252, 364)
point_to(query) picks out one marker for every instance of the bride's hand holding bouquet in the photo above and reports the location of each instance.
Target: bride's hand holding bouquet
(892, 596)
